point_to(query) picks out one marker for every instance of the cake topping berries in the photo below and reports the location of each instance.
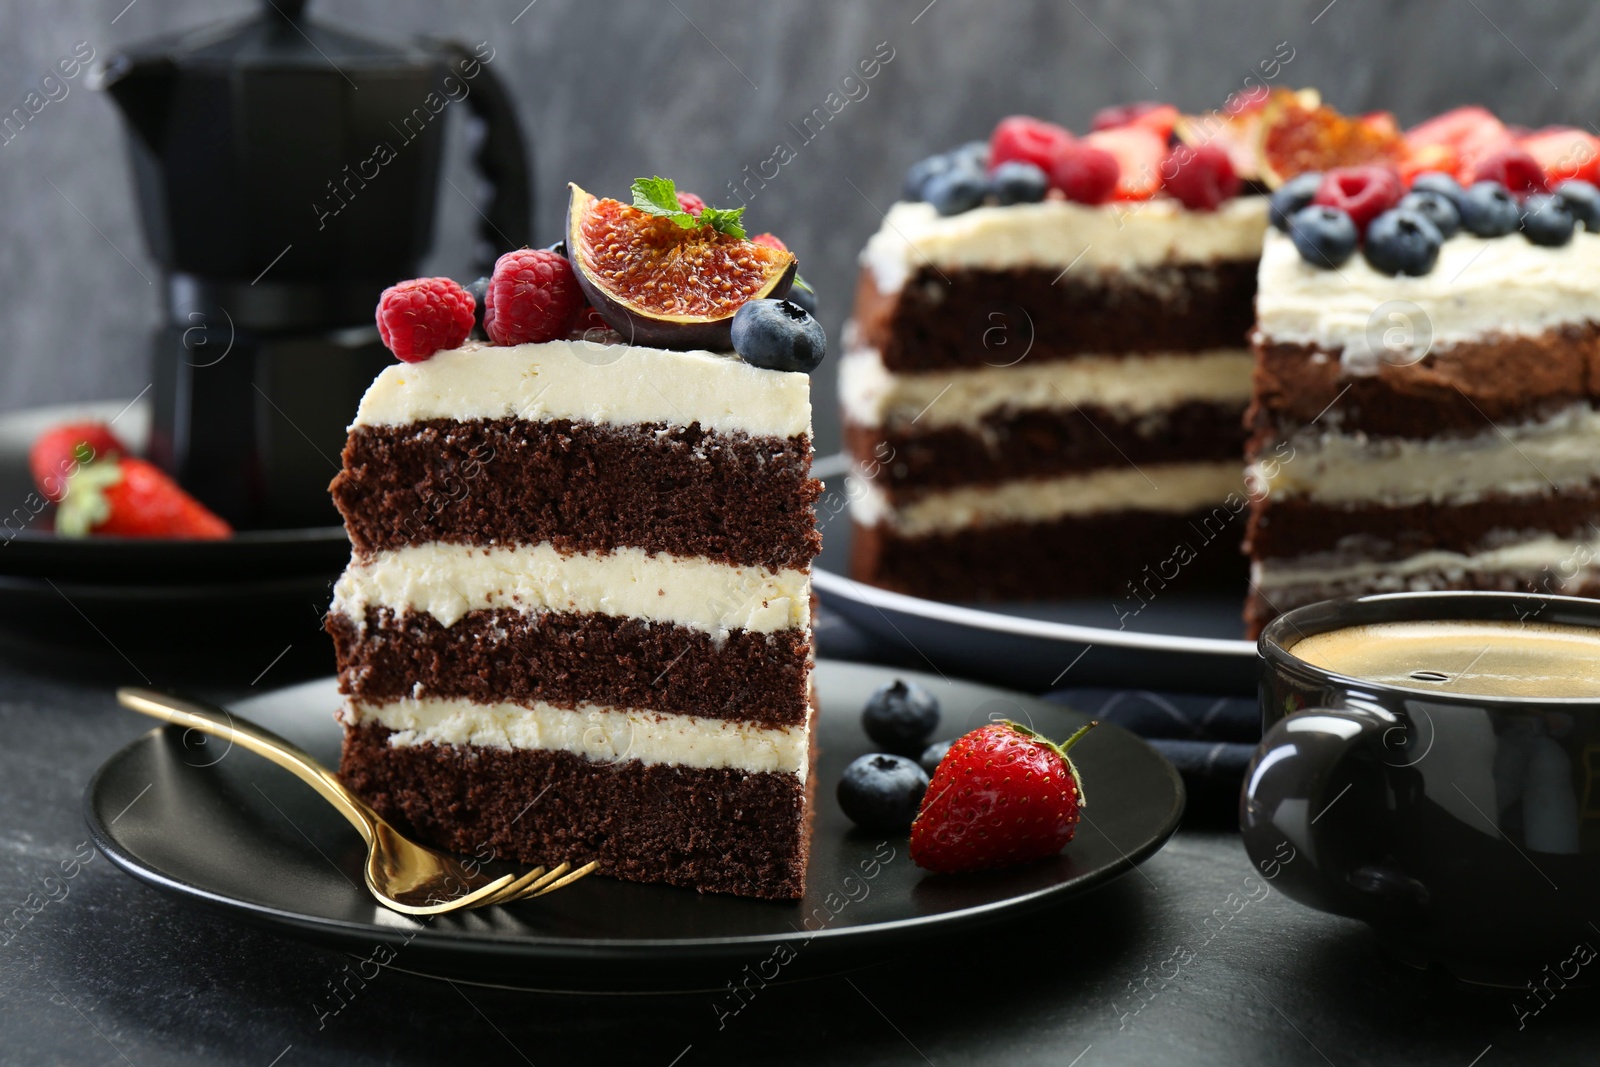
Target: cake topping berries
(1023, 139)
(419, 317)
(778, 335)
(1363, 193)
(533, 297)
(1085, 174)
(1200, 178)
(1127, 157)
(1402, 241)
(1003, 795)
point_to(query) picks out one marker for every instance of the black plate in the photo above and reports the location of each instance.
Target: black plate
(156, 632)
(30, 548)
(230, 830)
(1191, 643)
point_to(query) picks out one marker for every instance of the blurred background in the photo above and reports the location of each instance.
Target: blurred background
(698, 90)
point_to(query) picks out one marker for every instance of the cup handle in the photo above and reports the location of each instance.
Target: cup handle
(1289, 815)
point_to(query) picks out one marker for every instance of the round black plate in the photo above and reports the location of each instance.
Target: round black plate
(229, 829)
(30, 548)
(1192, 642)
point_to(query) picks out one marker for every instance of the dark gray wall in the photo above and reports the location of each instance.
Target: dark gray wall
(698, 89)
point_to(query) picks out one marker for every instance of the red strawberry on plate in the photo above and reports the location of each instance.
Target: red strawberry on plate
(130, 497)
(57, 454)
(1139, 153)
(1002, 796)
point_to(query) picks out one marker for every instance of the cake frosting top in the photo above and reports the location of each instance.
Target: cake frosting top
(1120, 235)
(598, 383)
(1480, 287)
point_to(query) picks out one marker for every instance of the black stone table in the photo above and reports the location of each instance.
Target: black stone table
(1189, 960)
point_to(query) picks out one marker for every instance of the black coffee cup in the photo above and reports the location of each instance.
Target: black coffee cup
(1464, 829)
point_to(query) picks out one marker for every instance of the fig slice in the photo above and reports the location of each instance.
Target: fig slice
(661, 284)
(1297, 138)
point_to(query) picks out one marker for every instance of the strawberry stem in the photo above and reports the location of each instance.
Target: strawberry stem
(1078, 736)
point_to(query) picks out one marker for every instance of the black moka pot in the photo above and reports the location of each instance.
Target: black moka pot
(286, 173)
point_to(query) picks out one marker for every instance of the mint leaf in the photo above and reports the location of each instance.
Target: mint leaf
(724, 220)
(659, 197)
(656, 196)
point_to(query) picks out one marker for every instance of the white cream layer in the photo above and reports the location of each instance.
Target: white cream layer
(596, 732)
(1562, 558)
(1058, 233)
(605, 384)
(1171, 487)
(1528, 459)
(872, 395)
(1479, 287)
(447, 581)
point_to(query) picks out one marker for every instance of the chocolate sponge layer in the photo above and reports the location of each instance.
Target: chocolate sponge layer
(715, 830)
(563, 658)
(582, 486)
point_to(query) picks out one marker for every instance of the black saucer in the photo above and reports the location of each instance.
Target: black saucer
(227, 829)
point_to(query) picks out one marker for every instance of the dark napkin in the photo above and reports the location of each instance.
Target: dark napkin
(1209, 739)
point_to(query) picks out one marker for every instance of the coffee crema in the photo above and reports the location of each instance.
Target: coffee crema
(1466, 657)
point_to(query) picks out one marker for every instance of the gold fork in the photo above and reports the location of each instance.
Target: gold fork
(402, 874)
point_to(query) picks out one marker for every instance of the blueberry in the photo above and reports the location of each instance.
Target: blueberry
(1437, 208)
(1435, 181)
(918, 173)
(1016, 182)
(1546, 220)
(1487, 210)
(778, 335)
(933, 755)
(1324, 236)
(801, 293)
(1401, 241)
(1583, 200)
(881, 793)
(973, 152)
(959, 189)
(1292, 196)
(559, 248)
(479, 290)
(901, 716)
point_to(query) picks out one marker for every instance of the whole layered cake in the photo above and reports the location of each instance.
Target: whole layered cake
(1048, 364)
(1424, 411)
(576, 620)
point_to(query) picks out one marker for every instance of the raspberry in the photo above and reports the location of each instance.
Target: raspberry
(691, 203)
(770, 240)
(419, 317)
(1515, 169)
(1085, 173)
(1200, 178)
(533, 297)
(1363, 193)
(1027, 140)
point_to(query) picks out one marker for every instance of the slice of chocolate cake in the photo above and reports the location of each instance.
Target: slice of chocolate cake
(1425, 407)
(576, 620)
(1043, 391)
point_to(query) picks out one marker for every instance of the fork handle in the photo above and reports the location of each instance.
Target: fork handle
(219, 722)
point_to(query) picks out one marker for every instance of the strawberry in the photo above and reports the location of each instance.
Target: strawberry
(58, 453)
(1565, 153)
(1003, 795)
(1139, 153)
(130, 497)
(1150, 114)
(1472, 132)
(1513, 168)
